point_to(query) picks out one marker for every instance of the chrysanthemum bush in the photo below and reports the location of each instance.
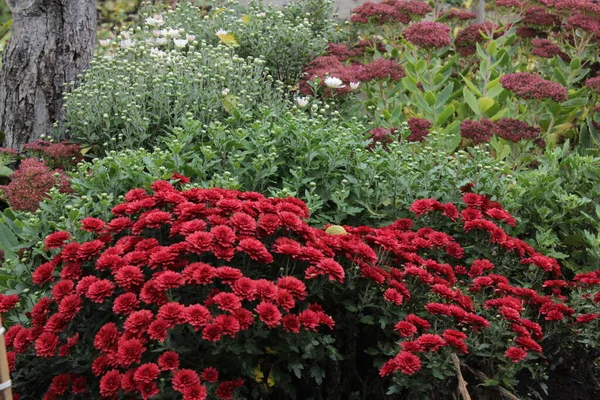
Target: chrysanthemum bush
(190, 292)
(134, 96)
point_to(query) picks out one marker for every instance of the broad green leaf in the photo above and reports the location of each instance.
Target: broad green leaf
(471, 100)
(444, 95)
(471, 86)
(485, 103)
(575, 64)
(410, 84)
(447, 113)
(430, 98)
(558, 75)
(5, 171)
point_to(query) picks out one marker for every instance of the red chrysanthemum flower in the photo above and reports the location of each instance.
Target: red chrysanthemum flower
(146, 373)
(515, 354)
(210, 375)
(100, 290)
(269, 314)
(56, 240)
(110, 384)
(168, 361)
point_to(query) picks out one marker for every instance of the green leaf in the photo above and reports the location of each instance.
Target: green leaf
(447, 113)
(429, 98)
(471, 86)
(5, 171)
(471, 100)
(410, 84)
(558, 75)
(444, 95)
(485, 103)
(297, 368)
(575, 64)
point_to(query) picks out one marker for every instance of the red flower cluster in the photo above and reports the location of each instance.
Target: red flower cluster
(390, 11)
(515, 130)
(56, 155)
(428, 34)
(31, 183)
(467, 39)
(203, 260)
(454, 14)
(419, 129)
(381, 69)
(593, 84)
(322, 67)
(539, 18)
(509, 3)
(545, 48)
(343, 52)
(532, 86)
(478, 131)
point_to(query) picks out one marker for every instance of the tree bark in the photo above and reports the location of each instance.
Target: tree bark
(52, 41)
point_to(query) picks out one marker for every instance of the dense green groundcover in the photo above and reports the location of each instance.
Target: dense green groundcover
(358, 120)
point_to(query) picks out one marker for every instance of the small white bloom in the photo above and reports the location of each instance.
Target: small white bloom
(225, 92)
(302, 101)
(104, 43)
(180, 43)
(190, 38)
(157, 20)
(354, 85)
(173, 33)
(334, 83)
(127, 43)
(126, 35)
(161, 41)
(260, 15)
(157, 53)
(221, 32)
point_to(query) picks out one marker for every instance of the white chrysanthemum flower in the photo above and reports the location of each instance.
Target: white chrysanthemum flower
(225, 92)
(190, 38)
(104, 43)
(354, 85)
(173, 33)
(157, 53)
(157, 20)
(221, 32)
(334, 83)
(161, 41)
(180, 43)
(302, 101)
(127, 43)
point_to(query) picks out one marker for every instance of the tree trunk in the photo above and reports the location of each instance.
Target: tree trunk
(52, 41)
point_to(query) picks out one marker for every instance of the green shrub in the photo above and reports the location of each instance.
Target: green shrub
(132, 98)
(558, 205)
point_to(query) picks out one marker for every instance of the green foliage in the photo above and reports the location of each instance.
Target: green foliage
(133, 98)
(558, 205)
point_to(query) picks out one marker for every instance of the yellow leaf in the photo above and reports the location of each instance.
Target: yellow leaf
(270, 350)
(245, 18)
(336, 230)
(85, 150)
(270, 379)
(228, 40)
(219, 11)
(258, 375)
